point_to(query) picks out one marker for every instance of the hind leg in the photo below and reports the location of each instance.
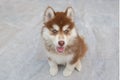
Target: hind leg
(68, 69)
(78, 65)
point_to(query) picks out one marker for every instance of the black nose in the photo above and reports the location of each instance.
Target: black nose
(61, 43)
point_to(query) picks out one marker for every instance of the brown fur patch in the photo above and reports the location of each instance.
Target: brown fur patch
(78, 49)
(61, 20)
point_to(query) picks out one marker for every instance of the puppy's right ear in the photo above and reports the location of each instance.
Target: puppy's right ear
(70, 13)
(49, 14)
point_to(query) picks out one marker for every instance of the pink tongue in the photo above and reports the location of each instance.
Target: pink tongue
(60, 49)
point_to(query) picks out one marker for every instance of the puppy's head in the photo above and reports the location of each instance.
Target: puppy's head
(59, 27)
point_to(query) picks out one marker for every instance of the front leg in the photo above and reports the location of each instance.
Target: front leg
(53, 67)
(68, 69)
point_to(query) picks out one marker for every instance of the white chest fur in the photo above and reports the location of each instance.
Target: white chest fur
(60, 59)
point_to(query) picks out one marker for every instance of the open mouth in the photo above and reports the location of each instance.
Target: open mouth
(60, 49)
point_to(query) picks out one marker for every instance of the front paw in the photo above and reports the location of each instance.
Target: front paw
(53, 71)
(67, 72)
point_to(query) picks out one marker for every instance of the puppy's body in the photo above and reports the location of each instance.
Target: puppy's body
(63, 44)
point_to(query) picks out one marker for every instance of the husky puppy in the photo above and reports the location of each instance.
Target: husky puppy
(63, 44)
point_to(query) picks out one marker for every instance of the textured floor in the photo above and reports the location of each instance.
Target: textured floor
(22, 56)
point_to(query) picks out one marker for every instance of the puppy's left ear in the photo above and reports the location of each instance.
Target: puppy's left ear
(70, 13)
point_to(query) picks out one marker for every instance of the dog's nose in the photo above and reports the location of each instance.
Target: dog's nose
(61, 43)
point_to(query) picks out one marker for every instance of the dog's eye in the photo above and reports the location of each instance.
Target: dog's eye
(54, 31)
(66, 31)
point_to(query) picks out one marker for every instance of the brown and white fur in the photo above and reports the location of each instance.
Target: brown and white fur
(63, 44)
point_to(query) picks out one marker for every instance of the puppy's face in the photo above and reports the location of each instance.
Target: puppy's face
(59, 28)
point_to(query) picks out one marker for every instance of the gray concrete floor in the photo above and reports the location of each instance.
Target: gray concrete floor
(22, 54)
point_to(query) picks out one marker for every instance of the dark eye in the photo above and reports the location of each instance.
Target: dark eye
(54, 31)
(66, 31)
